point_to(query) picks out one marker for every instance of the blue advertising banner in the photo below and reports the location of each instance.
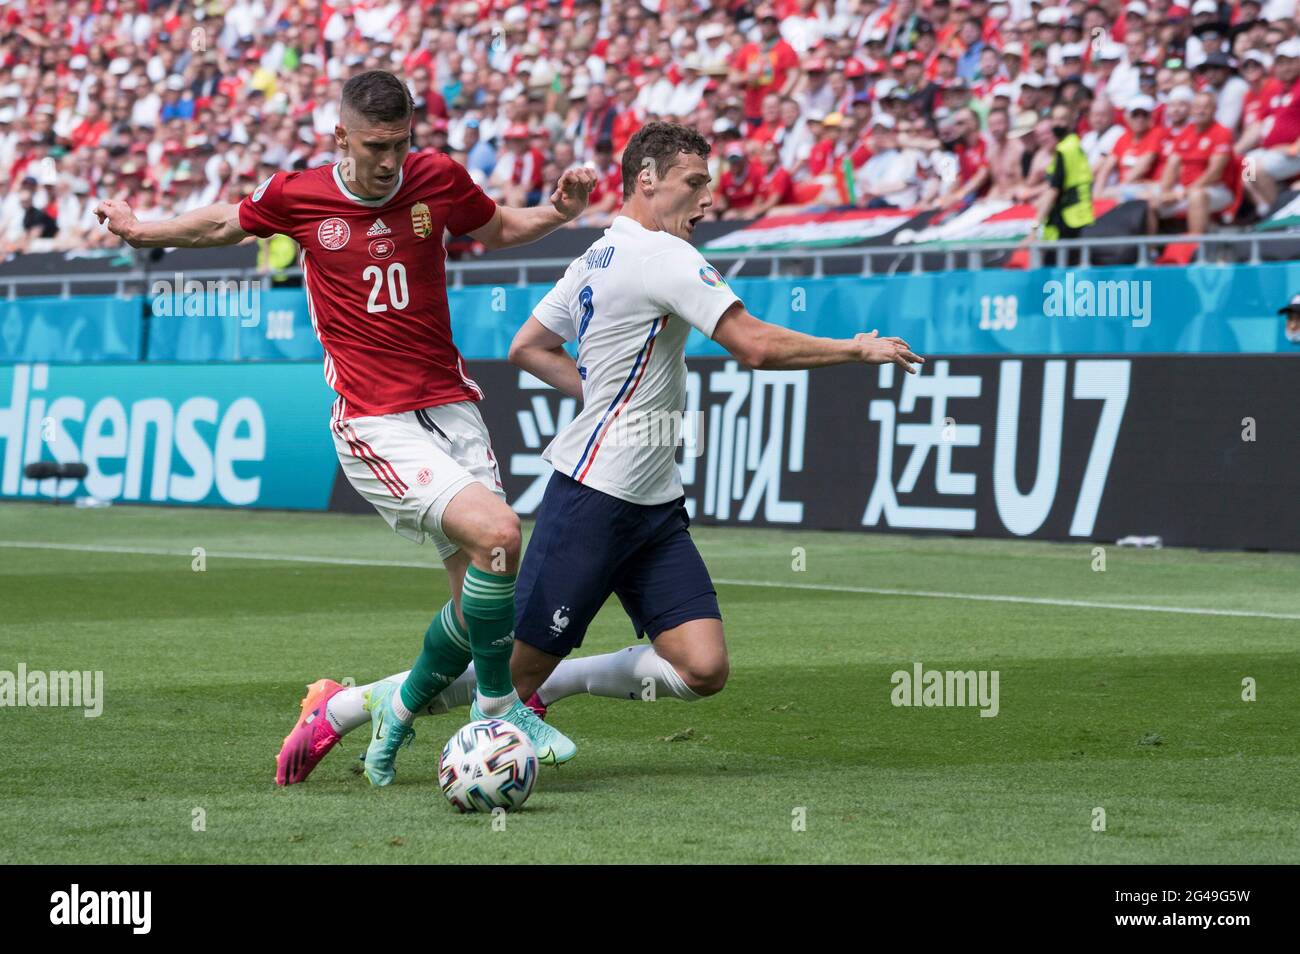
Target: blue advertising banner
(83, 329)
(1214, 309)
(215, 435)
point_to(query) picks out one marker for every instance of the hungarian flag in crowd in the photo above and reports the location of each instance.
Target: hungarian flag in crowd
(824, 229)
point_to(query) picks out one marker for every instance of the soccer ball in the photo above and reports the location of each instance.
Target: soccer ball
(486, 765)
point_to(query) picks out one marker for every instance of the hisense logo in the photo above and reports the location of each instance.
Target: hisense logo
(129, 448)
(77, 689)
(103, 907)
(1086, 298)
(946, 688)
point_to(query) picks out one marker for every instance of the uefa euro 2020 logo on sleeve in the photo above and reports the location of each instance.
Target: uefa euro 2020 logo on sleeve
(710, 276)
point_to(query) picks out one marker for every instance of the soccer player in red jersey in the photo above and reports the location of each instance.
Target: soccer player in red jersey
(405, 424)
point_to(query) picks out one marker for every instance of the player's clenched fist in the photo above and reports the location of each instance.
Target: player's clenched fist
(572, 191)
(118, 216)
(877, 350)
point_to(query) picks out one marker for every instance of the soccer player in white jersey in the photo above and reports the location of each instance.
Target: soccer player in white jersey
(613, 518)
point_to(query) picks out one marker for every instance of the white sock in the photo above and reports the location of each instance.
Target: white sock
(346, 710)
(459, 693)
(404, 715)
(497, 705)
(620, 675)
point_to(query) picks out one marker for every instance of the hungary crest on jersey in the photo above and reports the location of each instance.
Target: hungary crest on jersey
(421, 220)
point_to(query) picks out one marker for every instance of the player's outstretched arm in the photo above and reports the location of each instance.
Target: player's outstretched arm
(766, 347)
(208, 227)
(540, 351)
(511, 227)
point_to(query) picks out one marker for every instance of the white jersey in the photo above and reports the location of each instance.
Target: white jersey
(630, 301)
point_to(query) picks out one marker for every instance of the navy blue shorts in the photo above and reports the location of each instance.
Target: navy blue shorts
(587, 545)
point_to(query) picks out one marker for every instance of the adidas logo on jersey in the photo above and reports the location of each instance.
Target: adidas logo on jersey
(379, 228)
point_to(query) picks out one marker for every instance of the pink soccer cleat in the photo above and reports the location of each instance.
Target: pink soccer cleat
(311, 739)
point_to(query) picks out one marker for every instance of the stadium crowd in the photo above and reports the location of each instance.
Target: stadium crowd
(900, 104)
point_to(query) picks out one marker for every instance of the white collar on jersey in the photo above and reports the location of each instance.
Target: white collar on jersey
(347, 193)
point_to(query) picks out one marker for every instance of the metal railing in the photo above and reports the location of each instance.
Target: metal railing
(873, 260)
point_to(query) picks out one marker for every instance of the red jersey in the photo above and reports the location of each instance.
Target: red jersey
(1129, 150)
(740, 191)
(374, 277)
(1196, 148)
(778, 185)
(765, 71)
(625, 124)
(970, 160)
(1286, 119)
(1256, 104)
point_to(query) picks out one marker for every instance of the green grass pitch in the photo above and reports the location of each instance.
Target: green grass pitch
(1132, 711)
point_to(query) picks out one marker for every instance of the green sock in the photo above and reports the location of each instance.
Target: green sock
(488, 602)
(445, 656)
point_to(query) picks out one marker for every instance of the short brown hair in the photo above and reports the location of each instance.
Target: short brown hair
(659, 145)
(377, 96)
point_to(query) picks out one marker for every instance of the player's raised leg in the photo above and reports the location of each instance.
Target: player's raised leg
(488, 530)
(394, 705)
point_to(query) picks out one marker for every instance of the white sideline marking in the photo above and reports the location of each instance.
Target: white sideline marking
(820, 587)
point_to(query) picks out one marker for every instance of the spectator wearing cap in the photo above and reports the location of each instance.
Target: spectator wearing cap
(891, 178)
(690, 90)
(1277, 158)
(739, 184)
(715, 50)
(1104, 131)
(1005, 156)
(517, 179)
(1261, 88)
(815, 94)
(1207, 31)
(1031, 105)
(1177, 113)
(1220, 78)
(1195, 182)
(1130, 172)
(825, 130)
(1012, 60)
(1291, 310)
(767, 65)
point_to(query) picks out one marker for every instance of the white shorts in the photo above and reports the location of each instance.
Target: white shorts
(1220, 198)
(1276, 162)
(411, 464)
